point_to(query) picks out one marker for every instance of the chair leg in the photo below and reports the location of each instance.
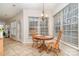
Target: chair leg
(33, 44)
(55, 51)
(48, 50)
(36, 44)
(59, 50)
(49, 47)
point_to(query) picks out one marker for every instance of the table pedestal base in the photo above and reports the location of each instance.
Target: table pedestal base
(42, 47)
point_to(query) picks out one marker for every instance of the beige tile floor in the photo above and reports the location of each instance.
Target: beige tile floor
(15, 48)
(69, 50)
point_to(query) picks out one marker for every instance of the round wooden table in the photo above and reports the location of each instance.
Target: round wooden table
(43, 46)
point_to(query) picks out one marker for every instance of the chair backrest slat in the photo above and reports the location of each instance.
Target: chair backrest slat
(33, 35)
(56, 43)
(59, 36)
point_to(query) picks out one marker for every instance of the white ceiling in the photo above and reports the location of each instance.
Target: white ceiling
(7, 10)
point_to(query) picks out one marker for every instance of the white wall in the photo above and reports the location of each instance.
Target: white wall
(18, 18)
(2, 22)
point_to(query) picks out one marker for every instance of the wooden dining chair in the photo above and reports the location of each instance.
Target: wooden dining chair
(35, 41)
(54, 44)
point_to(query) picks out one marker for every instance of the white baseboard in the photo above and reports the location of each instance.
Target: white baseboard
(27, 42)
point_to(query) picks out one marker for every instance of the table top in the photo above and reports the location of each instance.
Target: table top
(41, 37)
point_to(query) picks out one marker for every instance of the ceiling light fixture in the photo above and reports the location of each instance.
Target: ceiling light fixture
(43, 14)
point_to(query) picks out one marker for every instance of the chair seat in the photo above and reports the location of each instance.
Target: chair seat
(51, 41)
(35, 40)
